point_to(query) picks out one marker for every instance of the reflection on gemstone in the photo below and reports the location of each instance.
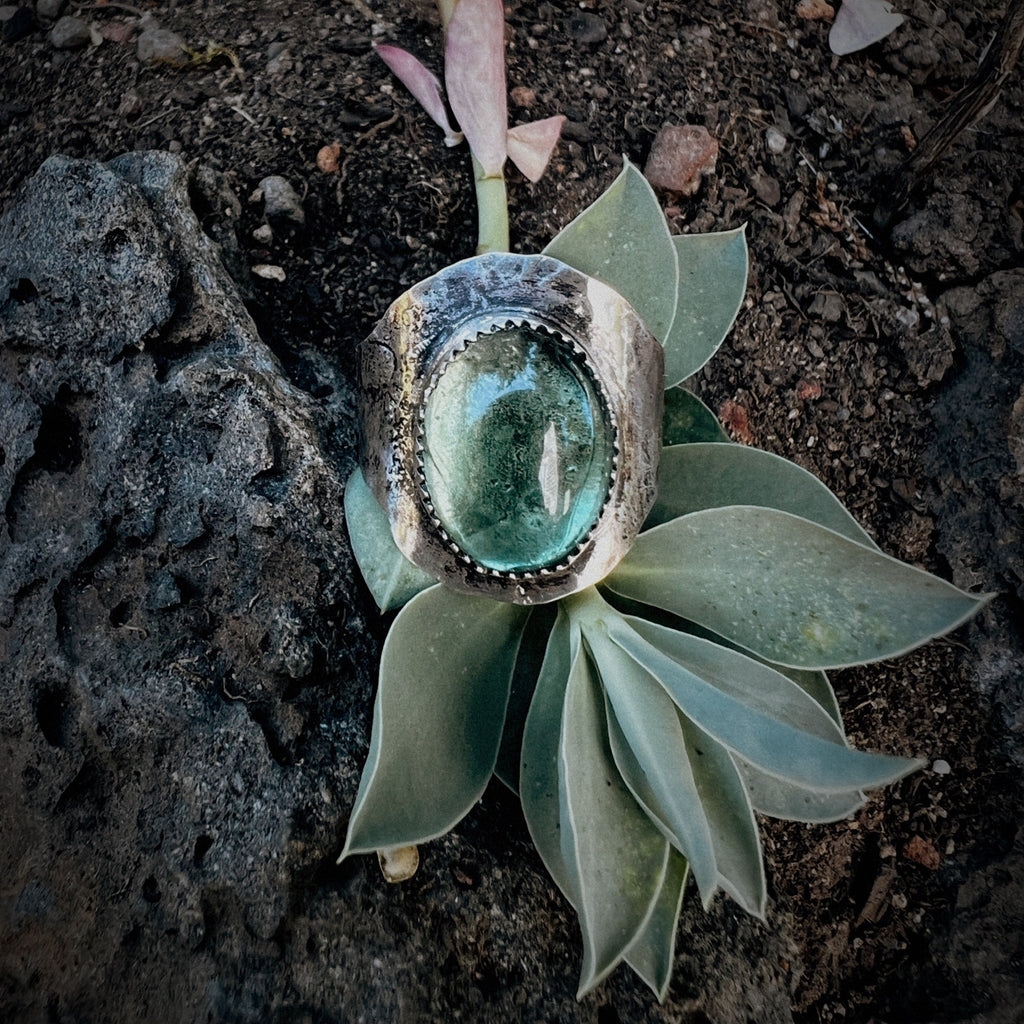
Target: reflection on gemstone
(517, 449)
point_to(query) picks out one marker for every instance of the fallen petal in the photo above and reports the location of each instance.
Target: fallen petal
(860, 23)
(530, 145)
(424, 86)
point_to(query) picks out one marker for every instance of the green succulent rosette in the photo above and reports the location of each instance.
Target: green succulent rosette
(647, 716)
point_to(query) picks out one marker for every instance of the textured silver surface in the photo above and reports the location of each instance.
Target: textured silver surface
(442, 314)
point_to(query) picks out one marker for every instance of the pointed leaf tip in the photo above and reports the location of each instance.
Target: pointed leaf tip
(711, 285)
(623, 240)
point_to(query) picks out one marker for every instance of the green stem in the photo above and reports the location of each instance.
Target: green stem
(492, 210)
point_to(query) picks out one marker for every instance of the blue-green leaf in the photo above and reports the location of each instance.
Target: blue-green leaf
(647, 744)
(711, 285)
(391, 577)
(787, 589)
(756, 684)
(759, 735)
(731, 819)
(781, 799)
(693, 477)
(437, 720)
(653, 951)
(539, 766)
(687, 419)
(623, 240)
(616, 855)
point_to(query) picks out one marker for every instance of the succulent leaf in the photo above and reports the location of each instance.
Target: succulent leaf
(653, 951)
(813, 682)
(687, 420)
(711, 284)
(731, 818)
(787, 589)
(650, 753)
(538, 768)
(756, 684)
(438, 717)
(622, 239)
(613, 851)
(735, 718)
(529, 662)
(692, 477)
(781, 799)
(391, 577)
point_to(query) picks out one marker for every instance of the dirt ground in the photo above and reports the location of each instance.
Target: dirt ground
(889, 364)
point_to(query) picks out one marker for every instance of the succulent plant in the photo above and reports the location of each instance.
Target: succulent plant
(654, 677)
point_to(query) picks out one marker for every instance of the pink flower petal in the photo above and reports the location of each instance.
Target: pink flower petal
(530, 145)
(474, 74)
(424, 86)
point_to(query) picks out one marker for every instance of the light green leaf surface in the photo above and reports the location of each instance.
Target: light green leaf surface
(757, 685)
(616, 855)
(437, 720)
(730, 818)
(622, 239)
(787, 589)
(712, 283)
(391, 577)
(781, 799)
(647, 743)
(774, 746)
(688, 420)
(692, 477)
(811, 681)
(654, 949)
(538, 766)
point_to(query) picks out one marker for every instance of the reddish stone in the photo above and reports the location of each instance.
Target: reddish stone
(680, 156)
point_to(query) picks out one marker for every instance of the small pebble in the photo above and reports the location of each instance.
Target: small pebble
(49, 9)
(585, 27)
(941, 767)
(775, 141)
(521, 96)
(158, 44)
(680, 156)
(399, 863)
(815, 10)
(281, 200)
(264, 234)
(328, 158)
(70, 33)
(269, 272)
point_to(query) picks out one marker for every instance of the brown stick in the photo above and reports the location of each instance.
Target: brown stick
(972, 103)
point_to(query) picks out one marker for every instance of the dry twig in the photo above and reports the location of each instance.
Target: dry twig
(972, 103)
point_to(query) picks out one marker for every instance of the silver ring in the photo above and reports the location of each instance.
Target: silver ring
(511, 417)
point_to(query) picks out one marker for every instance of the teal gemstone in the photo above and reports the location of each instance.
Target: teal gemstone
(518, 449)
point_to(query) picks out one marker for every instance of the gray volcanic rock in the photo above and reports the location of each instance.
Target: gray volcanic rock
(173, 592)
(188, 665)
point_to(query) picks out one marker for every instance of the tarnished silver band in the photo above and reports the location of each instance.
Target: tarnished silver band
(417, 336)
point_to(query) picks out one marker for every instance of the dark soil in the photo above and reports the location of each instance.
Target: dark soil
(891, 364)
